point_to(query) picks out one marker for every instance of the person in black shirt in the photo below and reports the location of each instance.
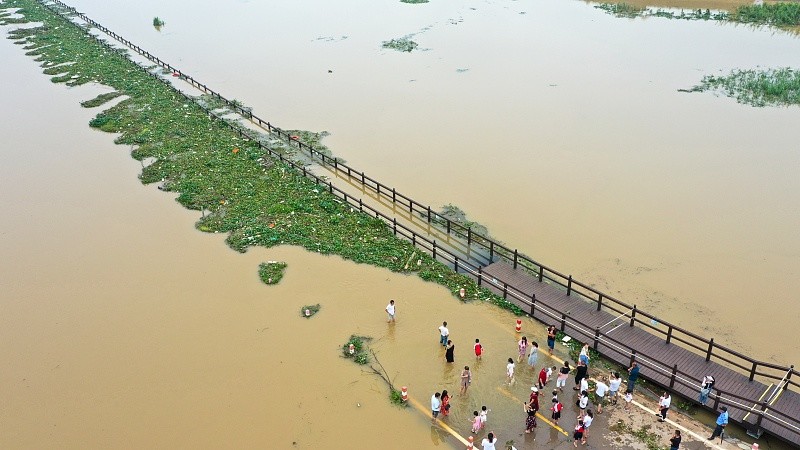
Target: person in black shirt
(675, 441)
(580, 373)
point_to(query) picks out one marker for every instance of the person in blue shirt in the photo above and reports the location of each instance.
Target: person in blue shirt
(633, 375)
(722, 420)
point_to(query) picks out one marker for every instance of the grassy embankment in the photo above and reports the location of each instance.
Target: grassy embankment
(781, 14)
(255, 200)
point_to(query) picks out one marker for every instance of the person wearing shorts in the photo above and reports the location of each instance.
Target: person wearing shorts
(436, 406)
(551, 338)
(556, 408)
(563, 374)
(613, 387)
(578, 434)
(600, 390)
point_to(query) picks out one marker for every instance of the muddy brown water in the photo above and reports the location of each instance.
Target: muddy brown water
(553, 123)
(122, 326)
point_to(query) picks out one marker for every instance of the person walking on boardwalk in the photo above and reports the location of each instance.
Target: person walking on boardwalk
(580, 373)
(705, 388)
(478, 348)
(534, 356)
(436, 406)
(551, 338)
(449, 355)
(390, 311)
(444, 334)
(722, 421)
(466, 379)
(633, 375)
(663, 406)
(523, 348)
(563, 374)
(675, 440)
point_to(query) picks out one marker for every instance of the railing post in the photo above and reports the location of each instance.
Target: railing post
(760, 416)
(633, 357)
(674, 374)
(491, 250)
(505, 291)
(413, 239)
(533, 305)
(710, 347)
(541, 273)
(448, 227)
(429, 214)
(596, 337)
(456, 264)
(394, 227)
(394, 196)
(563, 322)
(788, 376)
(753, 371)
(434, 250)
(599, 302)
(669, 334)
(515, 258)
(469, 236)
(569, 285)
(480, 275)
(362, 178)
(633, 315)
(716, 400)
(360, 205)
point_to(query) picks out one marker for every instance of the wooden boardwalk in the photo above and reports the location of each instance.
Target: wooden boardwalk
(666, 364)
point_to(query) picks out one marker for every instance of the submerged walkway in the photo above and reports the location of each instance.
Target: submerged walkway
(664, 363)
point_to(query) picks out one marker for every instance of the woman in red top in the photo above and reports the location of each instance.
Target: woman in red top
(445, 403)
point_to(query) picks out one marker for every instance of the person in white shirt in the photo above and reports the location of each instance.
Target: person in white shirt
(436, 406)
(390, 311)
(488, 442)
(587, 422)
(600, 390)
(584, 385)
(613, 387)
(663, 405)
(510, 371)
(444, 333)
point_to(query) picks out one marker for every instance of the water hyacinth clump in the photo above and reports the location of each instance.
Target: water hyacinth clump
(157, 22)
(770, 87)
(271, 272)
(401, 45)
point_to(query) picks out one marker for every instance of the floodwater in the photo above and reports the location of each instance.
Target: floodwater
(556, 125)
(123, 327)
(561, 129)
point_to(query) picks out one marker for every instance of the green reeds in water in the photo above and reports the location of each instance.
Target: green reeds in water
(770, 87)
(158, 23)
(782, 14)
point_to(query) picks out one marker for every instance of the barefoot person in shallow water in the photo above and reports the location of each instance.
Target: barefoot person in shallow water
(466, 379)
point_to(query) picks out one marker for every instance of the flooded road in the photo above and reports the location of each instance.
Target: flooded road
(556, 125)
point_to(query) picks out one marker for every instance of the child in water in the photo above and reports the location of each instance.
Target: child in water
(476, 422)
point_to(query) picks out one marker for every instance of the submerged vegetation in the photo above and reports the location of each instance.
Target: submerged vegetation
(644, 434)
(782, 14)
(271, 272)
(308, 311)
(770, 87)
(358, 353)
(100, 99)
(401, 45)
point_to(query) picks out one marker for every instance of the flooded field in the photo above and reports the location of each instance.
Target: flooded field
(556, 125)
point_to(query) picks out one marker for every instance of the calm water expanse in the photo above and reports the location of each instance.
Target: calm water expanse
(557, 126)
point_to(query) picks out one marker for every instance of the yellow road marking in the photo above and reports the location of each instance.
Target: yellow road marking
(544, 419)
(441, 424)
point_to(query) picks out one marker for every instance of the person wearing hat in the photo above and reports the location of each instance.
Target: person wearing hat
(722, 420)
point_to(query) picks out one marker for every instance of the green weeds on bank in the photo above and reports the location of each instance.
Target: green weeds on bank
(643, 434)
(271, 272)
(769, 87)
(100, 99)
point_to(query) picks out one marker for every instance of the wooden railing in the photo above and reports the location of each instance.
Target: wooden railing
(788, 376)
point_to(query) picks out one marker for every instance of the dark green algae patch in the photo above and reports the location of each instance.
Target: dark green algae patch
(243, 192)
